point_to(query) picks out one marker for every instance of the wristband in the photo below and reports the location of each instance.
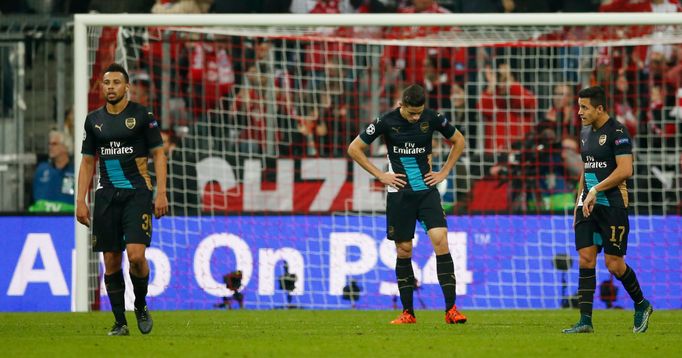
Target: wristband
(594, 190)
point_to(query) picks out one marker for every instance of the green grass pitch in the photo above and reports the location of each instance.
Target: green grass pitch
(306, 333)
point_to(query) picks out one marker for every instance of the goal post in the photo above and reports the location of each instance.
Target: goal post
(318, 210)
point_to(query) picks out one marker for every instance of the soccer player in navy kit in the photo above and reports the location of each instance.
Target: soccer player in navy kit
(122, 134)
(412, 193)
(601, 217)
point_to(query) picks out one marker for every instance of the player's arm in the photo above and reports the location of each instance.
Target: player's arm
(161, 201)
(622, 171)
(457, 140)
(356, 150)
(85, 172)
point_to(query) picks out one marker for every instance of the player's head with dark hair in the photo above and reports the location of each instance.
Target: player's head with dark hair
(115, 67)
(596, 95)
(414, 96)
(592, 106)
(412, 103)
(115, 84)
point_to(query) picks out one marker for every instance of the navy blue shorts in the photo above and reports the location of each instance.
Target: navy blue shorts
(405, 208)
(606, 227)
(121, 217)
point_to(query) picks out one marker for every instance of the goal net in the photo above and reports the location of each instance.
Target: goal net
(258, 119)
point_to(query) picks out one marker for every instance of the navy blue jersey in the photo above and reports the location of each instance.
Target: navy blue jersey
(409, 144)
(123, 142)
(599, 149)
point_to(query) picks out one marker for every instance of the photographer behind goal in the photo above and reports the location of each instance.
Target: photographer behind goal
(233, 281)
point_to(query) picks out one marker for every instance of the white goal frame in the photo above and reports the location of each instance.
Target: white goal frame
(81, 78)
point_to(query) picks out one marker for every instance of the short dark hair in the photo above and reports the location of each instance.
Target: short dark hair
(115, 67)
(596, 94)
(414, 96)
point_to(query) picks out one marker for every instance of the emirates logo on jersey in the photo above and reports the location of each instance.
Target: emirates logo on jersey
(116, 148)
(602, 139)
(130, 122)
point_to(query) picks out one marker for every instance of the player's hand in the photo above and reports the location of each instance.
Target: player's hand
(83, 213)
(393, 180)
(588, 203)
(433, 178)
(160, 205)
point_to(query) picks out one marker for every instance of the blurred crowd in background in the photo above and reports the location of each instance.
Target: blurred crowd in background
(515, 105)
